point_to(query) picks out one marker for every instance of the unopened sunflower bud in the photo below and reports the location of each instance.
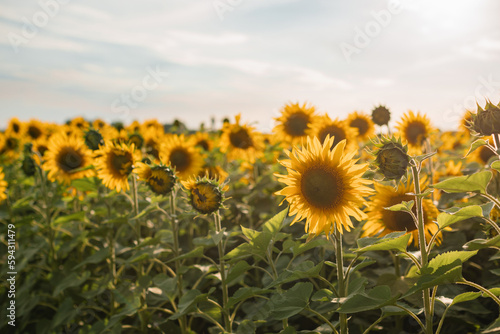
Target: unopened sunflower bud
(381, 115)
(392, 158)
(93, 139)
(486, 121)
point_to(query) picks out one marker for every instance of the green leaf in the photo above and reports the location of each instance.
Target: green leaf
(446, 219)
(483, 243)
(445, 268)
(97, 257)
(301, 247)
(465, 297)
(70, 281)
(496, 165)
(274, 224)
(85, 184)
(291, 302)
(244, 293)
(475, 145)
(78, 216)
(188, 302)
(494, 328)
(65, 312)
(197, 252)
(391, 241)
(476, 182)
(236, 271)
(305, 269)
(375, 298)
(217, 236)
(420, 158)
(403, 206)
(167, 284)
(150, 208)
(323, 295)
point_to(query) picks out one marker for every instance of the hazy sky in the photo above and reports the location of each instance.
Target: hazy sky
(195, 59)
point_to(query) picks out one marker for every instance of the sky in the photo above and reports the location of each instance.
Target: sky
(201, 59)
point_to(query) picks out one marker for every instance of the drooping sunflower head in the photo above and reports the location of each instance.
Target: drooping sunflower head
(415, 129)
(336, 129)
(486, 121)
(67, 158)
(382, 222)
(182, 155)
(3, 186)
(206, 195)
(294, 122)
(241, 142)
(324, 186)
(114, 163)
(93, 139)
(28, 164)
(381, 115)
(391, 158)
(363, 123)
(160, 178)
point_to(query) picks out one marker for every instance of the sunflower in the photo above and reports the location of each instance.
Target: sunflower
(337, 129)
(206, 195)
(16, 127)
(80, 123)
(40, 146)
(241, 142)
(214, 172)
(363, 123)
(10, 145)
(114, 163)
(381, 115)
(181, 155)
(382, 222)
(415, 129)
(203, 141)
(67, 158)
(160, 178)
(454, 141)
(3, 186)
(137, 139)
(294, 122)
(35, 129)
(99, 124)
(324, 186)
(465, 123)
(153, 139)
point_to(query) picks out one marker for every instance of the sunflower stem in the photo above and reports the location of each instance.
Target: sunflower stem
(428, 149)
(222, 269)
(340, 278)
(175, 231)
(422, 243)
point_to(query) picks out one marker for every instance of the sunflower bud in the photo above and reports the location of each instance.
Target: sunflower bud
(486, 121)
(381, 115)
(391, 158)
(93, 139)
(28, 164)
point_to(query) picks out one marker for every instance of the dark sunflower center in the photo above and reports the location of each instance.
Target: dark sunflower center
(399, 220)
(152, 148)
(322, 187)
(42, 149)
(69, 159)
(122, 163)
(203, 144)
(137, 140)
(180, 159)
(296, 124)
(34, 132)
(415, 133)
(333, 131)
(16, 127)
(361, 124)
(11, 143)
(240, 139)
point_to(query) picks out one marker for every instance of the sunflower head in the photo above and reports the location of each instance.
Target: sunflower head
(160, 178)
(241, 141)
(294, 122)
(415, 129)
(324, 186)
(181, 155)
(93, 139)
(205, 195)
(28, 165)
(486, 121)
(15, 127)
(381, 115)
(391, 158)
(363, 123)
(3, 186)
(35, 129)
(339, 130)
(137, 139)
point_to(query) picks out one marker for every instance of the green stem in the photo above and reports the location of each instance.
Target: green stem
(319, 315)
(481, 288)
(493, 224)
(373, 325)
(136, 208)
(423, 246)
(175, 231)
(222, 270)
(340, 278)
(492, 198)
(395, 259)
(412, 315)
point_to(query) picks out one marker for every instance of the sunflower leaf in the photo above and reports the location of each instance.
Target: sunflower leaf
(397, 241)
(274, 224)
(496, 165)
(483, 243)
(291, 302)
(403, 206)
(445, 219)
(375, 298)
(475, 145)
(420, 158)
(476, 182)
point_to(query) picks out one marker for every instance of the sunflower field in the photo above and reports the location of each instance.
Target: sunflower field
(321, 226)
